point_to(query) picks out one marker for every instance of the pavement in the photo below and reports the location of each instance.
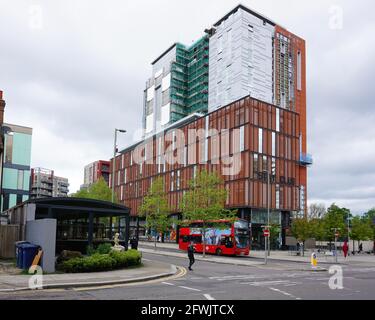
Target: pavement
(256, 257)
(150, 270)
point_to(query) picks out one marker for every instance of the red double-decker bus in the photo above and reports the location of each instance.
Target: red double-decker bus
(230, 238)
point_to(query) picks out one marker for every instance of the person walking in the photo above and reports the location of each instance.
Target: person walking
(360, 248)
(345, 248)
(134, 243)
(191, 255)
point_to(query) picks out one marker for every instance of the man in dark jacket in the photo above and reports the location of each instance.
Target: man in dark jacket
(134, 243)
(191, 255)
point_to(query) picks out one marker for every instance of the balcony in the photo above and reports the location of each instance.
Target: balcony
(305, 159)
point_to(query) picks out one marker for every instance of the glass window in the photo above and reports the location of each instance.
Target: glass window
(260, 141)
(20, 180)
(277, 119)
(242, 138)
(273, 144)
(299, 71)
(8, 148)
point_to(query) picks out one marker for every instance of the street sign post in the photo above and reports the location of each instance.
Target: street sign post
(266, 233)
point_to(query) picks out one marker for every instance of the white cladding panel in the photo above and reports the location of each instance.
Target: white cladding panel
(149, 123)
(165, 114)
(240, 61)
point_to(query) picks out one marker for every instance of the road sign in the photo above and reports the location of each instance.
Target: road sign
(266, 233)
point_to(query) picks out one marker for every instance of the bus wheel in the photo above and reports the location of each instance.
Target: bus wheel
(219, 252)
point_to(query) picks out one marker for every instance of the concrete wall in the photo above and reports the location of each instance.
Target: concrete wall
(43, 233)
(240, 60)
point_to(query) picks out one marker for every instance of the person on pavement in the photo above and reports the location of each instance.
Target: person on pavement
(345, 248)
(191, 255)
(134, 243)
(360, 248)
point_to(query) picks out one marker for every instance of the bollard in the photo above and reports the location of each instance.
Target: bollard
(314, 260)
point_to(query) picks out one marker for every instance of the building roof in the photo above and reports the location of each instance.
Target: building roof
(164, 53)
(241, 6)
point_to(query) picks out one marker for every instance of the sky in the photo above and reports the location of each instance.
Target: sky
(73, 70)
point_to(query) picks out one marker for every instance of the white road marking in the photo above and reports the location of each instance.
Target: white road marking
(285, 293)
(146, 259)
(208, 297)
(267, 283)
(168, 283)
(188, 288)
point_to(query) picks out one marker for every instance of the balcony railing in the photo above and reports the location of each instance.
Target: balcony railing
(305, 159)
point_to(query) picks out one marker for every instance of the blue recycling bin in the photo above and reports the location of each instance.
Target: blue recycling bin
(19, 253)
(29, 251)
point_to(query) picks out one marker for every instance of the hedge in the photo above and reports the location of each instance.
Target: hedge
(103, 262)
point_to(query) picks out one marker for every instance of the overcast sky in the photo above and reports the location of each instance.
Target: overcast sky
(74, 70)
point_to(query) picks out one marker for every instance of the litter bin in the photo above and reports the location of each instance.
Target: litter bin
(29, 251)
(19, 253)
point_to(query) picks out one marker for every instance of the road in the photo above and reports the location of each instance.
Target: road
(213, 281)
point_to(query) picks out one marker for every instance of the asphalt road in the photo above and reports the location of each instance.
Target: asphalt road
(213, 281)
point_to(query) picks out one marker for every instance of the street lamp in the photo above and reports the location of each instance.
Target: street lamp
(113, 163)
(268, 209)
(4, 130)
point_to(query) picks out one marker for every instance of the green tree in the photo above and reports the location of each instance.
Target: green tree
(205, 201)
(318, 229)
(361, 229)
(155, 208)
(335, 218)
(98, 190)
(302, 230)
(274, 234)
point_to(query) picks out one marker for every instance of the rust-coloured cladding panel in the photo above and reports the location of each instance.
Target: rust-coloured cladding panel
(245, 188)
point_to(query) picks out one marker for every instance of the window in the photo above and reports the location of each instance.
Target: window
(8, 148)
(299, 71)
(277, 196)
(242, 138)
(273, 144)
(125, 176)
(178, 180)
(118, 177)
(260, 141)
(172, 180)
(255, 164)
(277, 119)
(20, 180)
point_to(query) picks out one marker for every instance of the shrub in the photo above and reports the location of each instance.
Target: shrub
(103, 262)
(104, 248)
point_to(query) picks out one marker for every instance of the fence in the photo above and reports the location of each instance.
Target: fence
(9, 234)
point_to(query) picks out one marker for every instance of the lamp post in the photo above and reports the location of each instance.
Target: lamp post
(268, 210)
(113, 163)
(113, 174)
(4, 130)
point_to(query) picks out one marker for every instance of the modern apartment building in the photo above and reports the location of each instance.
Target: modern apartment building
(94, 171)
(16, 165)
(44, 184)
(256, 108)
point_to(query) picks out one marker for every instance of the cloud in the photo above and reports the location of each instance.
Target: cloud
(80, 71)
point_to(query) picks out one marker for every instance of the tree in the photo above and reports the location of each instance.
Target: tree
(302, 230)
(316, 211)
(370, 217)
(155, 208)
(335, 218)
(98, 190)
(205, 202)
(318, 229)
(274, 234)
(361, 229)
